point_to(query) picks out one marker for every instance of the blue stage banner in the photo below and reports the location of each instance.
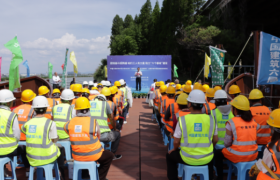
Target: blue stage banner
(152, 67)
(268, 70)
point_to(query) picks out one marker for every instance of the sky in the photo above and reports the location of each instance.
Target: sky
(46, 28)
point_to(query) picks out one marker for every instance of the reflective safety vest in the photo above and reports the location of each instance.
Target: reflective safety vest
(196, 142)
(98, 112)
(62, 113)
(164, 107)
(117, 115)
(244, 147)
(120, 93)
(25, 113)
(161, 99)
(125, 95)
(91, 97)
(209, 107)
(52, 103)
(179, 113)
(74, 101)
(261, 115)
(157, 97)
(40, 150)
(276, 160)
(117, 101)
(8, 142)
(57, 100)
(112, 106)
(174, 109)
(221, 120)
(85, 144)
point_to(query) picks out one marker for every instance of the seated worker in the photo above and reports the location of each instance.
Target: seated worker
(125, 99)
(56, 96)
(77, 89)
(170, 91)
(84, 133)
(100, 110)
(99, 86)
(9, 120)
(85, 84)
(117, 101)
(187, 89)
(156, 99)
(178, 87)
(44, 91)
(241, 135)
(93, 93)
(177, 94)
(216, 88)
(85, 93)
(189, 82)
(116, 107)
(63, 113)
(192, 132)
(260, 115)
(210, 102)
(41, 136)
(205, 87)
(234, 91)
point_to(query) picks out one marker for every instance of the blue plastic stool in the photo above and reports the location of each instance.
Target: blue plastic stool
(4, 161)
(104, 145)
(180, 170)
(170, 145)
(48, 172)
(16, 162)
(67, 148)
(190, 170)
(219, 146)
(22, 143)
(90, 166)
(242, 168)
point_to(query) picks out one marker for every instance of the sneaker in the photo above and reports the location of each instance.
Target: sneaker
(125, 122)
(116, 157)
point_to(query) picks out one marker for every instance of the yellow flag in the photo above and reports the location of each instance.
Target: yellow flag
(73, 60)
(206, 66)
(229, 71)
(105, 71)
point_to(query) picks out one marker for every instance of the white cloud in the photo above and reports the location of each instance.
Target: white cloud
(5, 51)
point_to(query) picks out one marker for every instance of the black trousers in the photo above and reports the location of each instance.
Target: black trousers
(219, 157)
(20, 150)
(138, 82)
(115, 144)
(105, 162)
(174, 158)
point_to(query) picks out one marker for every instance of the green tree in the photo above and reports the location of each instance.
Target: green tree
(117, 27)
(128, 21)
(155, 30)
(99, 73)
(145, 20)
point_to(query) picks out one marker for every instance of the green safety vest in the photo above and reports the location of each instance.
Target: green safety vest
(62, 113)
(125, 95)
(40, 150)
(196, 142)
(221, 120)
(98, 112)
(8, 142)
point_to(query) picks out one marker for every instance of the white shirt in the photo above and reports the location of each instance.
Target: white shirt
(138, 74)
(153, 86)
(56, 79)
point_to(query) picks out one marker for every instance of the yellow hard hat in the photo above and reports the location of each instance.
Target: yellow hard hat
(178, 93)
(172, 83)
(82, 103)
(182, 99)
(274, 118)
(183, 86)
(161, 83)
(170, 90)
(106, 91)
(71, 86)
(210, 93)
(56, 91)
(216, 88)
(94, 88)
(241, 102)
(187, 89)
(117, 83)
(77, 88)
(234, 89)
(116, 88)
(43, 90)
(27, 95)
(163, 89)
(113, 90)
(99, 84)
(178, 86)
(189, 82)
(85, 90)
(205, 87)
(157, 84)
(197, 86)
(255, 94)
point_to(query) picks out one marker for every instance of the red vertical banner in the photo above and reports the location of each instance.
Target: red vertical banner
(62, 66)
(0, 67)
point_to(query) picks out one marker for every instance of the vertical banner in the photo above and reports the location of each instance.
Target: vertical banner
(63, 84)
(0, 67)
(269, 56)
(105, 72)
(74, 61)
(25, 63)
(50, 70)
(217, 63)
(206, 66)
(175, 71)
(229, 71)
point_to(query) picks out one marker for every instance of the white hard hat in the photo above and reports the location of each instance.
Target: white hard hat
(6, 96)
(90, 83)
(67, 94)
(85, 83)
(192, 86)
(109, 84)
(100, 96)
(220, 94)
(94, 92)
(196, 96)
(122, 82)
(40, 102)
(103, 83)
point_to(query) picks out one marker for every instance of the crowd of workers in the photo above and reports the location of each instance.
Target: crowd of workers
(207, 129)
(86, 115)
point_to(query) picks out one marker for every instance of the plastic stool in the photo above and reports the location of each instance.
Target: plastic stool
(16, 162)
(90, 166)
(105, 147)
(165, 139)
(170, 145)
(242, 168)
(22, 143)
(4, 161)
(190, 170)
(180, 170)
(48, 172)
(219, 146)
(67, 148)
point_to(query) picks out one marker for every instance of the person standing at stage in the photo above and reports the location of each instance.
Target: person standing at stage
(138, 75)
(56, 81)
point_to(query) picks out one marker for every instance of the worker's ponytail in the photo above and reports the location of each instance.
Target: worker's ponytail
(245, 115)
(275, 137)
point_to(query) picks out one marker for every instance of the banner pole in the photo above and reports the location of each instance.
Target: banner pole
(199, 74)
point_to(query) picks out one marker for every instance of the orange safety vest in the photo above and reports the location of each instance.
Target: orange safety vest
(164, 107)
(261, 115)
(52, 103)
(111, 104)
(157, 97)
(116, 102)
(244, 147)
(209, 107)
(121, 95)
(276, 160)
(91, 97)
(174, 109)
(25, 113)
(84, 143)
(57, 99)
(161, 99)
(73, 101)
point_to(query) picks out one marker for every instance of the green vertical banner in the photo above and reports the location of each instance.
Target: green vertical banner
(50, 70)
(63, 83)
(175, 71)
(14, 79)
(217, 64)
